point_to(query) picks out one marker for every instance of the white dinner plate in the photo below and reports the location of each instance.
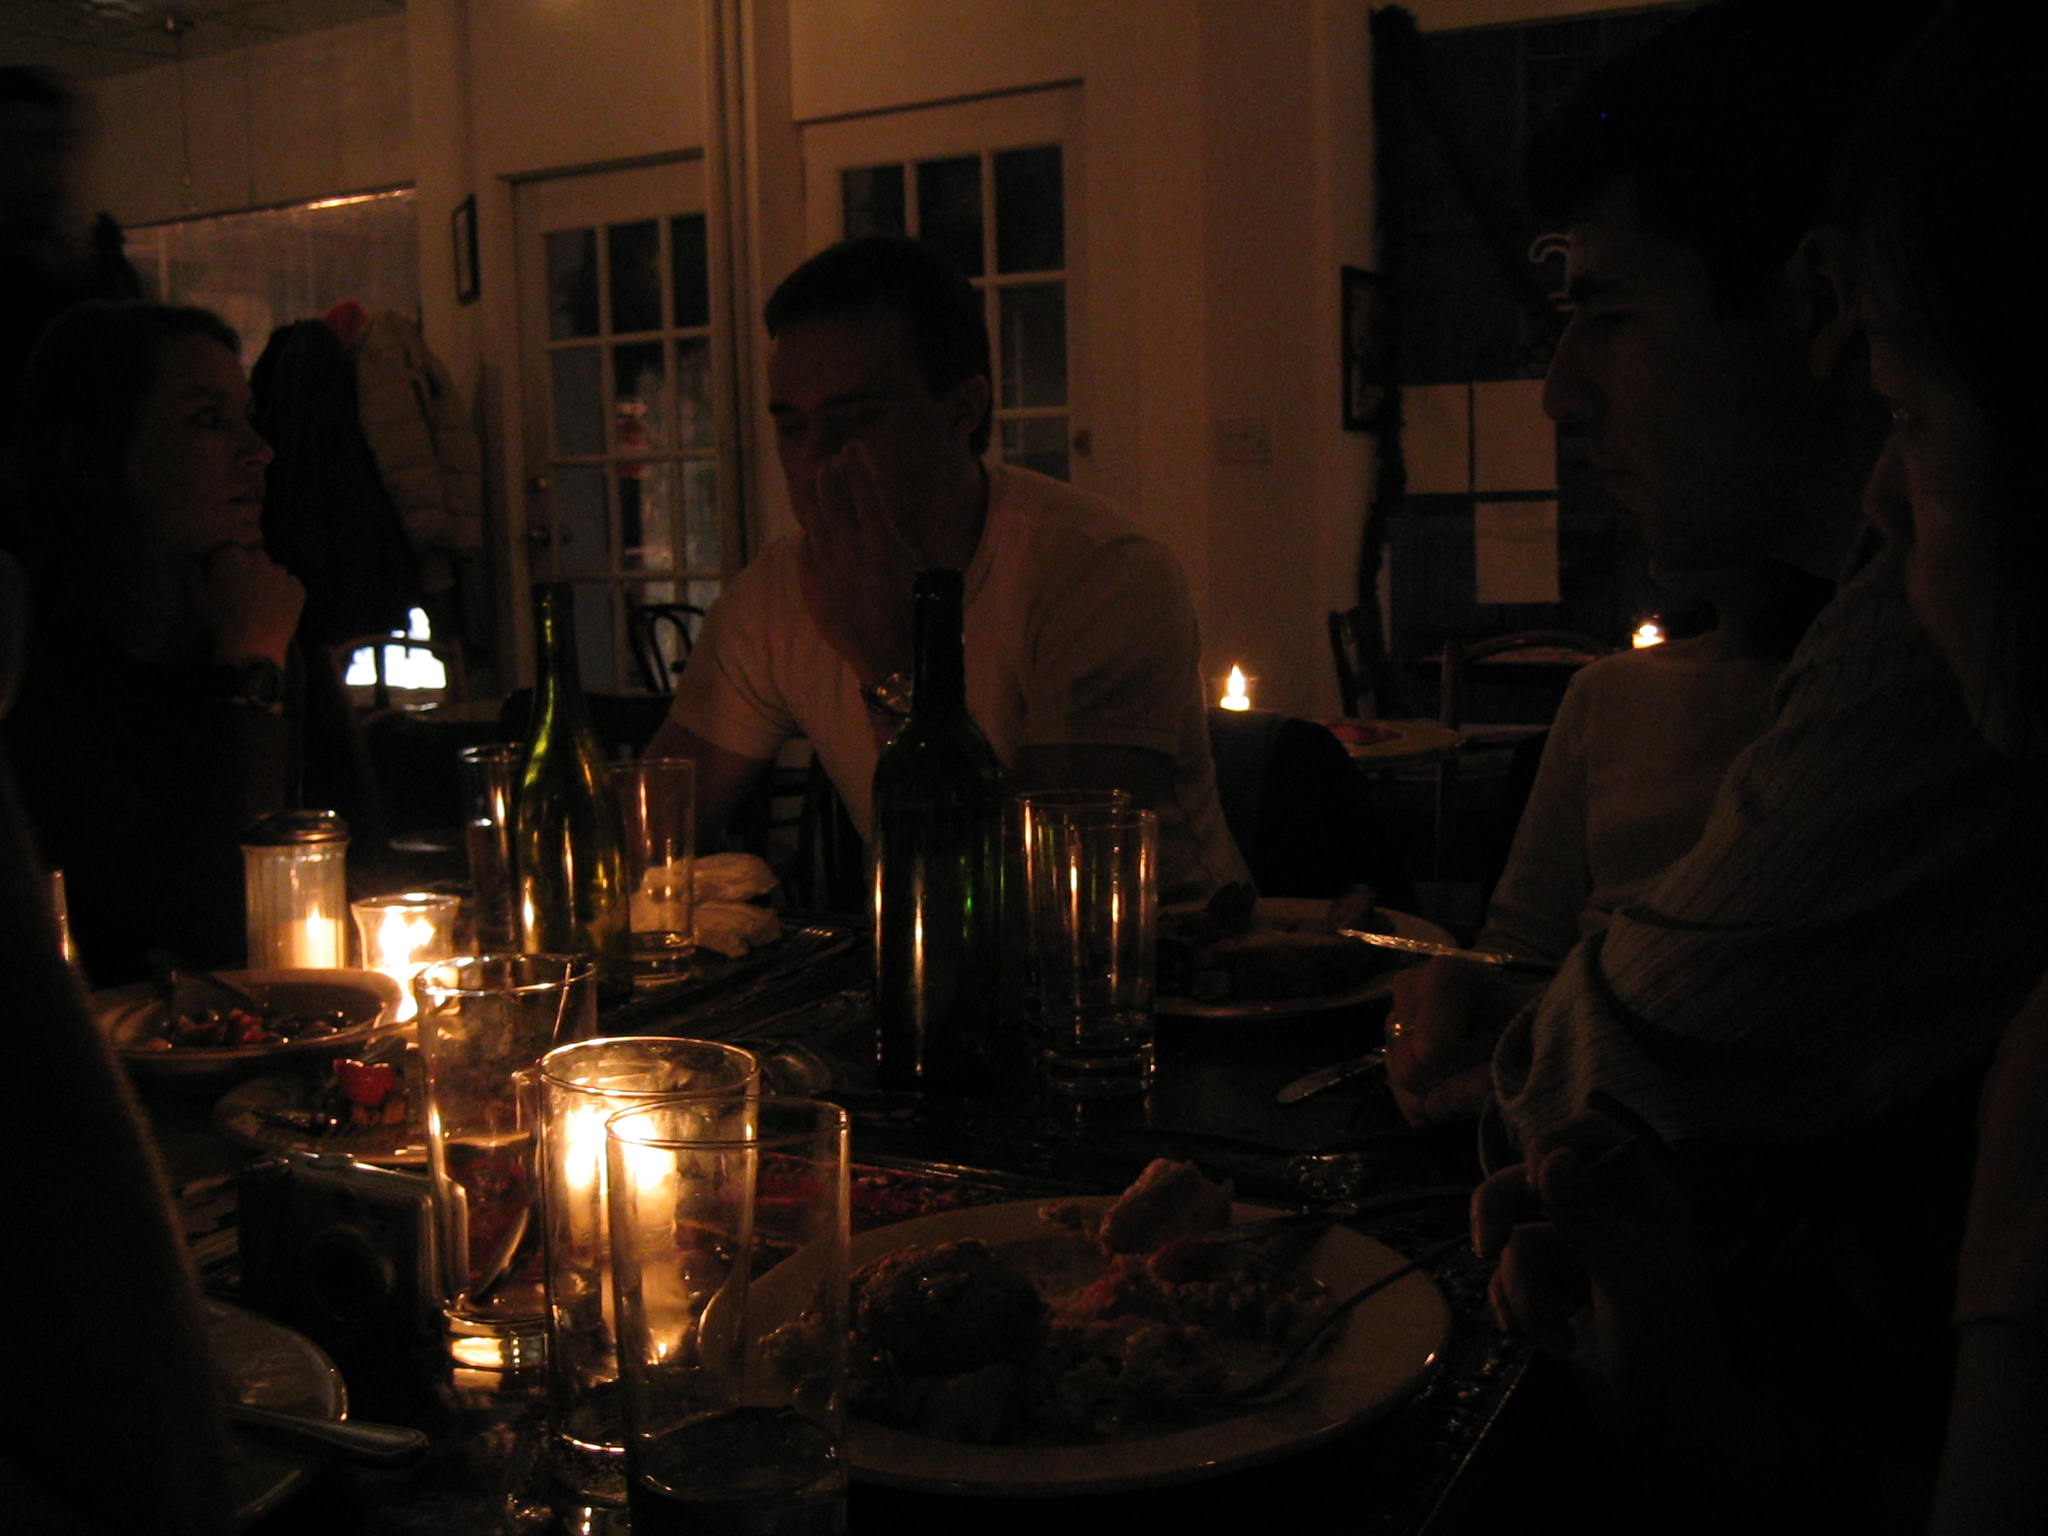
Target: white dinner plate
(270, 1366)
(1383, 1353)
(1404, 924)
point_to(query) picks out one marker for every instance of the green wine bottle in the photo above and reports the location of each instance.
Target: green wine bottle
(938, 848)
(570, 846)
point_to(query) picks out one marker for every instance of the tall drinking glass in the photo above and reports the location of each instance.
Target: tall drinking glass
(484, 1023)
(658, 809)
(1092, 879)
(729, 1242)
(490, 785)
(582, 1086)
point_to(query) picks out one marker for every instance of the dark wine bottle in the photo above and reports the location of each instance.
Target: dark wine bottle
(938, 872)
(569, 843)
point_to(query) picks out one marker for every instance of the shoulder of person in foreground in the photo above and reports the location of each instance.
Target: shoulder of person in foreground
(1860, 915)
(107, 1357)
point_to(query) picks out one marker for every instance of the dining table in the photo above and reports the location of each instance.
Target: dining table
(1429, 1460)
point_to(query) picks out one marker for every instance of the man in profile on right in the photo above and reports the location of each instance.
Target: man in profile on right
(1799, 1010)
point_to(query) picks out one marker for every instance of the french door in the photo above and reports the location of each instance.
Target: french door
(630, 472)
(990, 183)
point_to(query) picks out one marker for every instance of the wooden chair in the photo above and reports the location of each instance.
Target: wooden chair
(1299, 812)
(662, 639)
(1364, 672)
(1544, 658)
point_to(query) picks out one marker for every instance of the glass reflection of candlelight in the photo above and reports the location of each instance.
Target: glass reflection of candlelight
(1236, 693)
(402, 935)
(1648, 633)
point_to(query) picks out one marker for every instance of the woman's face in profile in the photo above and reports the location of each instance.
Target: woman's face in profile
(1932, 495)
(193, 472)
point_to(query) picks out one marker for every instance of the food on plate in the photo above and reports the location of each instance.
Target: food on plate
(948, 1307)
(1235, 950)
(216, 1028)
(730, 877)
(1129, 1317)
(362, 1094)
(1170, 1200)
(724, 886)
(734, 927)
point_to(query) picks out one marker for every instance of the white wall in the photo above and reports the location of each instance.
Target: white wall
(305, 117)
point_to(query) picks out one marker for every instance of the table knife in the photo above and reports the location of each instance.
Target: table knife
(1329, 1077)
(1425, 949)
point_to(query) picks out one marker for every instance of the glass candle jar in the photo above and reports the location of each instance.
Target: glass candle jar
(401, 935)
(295, 866)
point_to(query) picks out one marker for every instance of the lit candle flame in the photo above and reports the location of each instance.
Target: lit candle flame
(1648, 633)
(399, 939)
(1236, 695)
(316, 945)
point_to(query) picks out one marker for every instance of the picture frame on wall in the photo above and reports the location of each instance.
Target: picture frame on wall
(1365, 349)
(462, 235)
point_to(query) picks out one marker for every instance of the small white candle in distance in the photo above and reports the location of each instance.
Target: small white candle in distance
(1236, 693)
(1648, 633)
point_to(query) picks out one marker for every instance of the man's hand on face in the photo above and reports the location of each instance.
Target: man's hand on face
(858, 569)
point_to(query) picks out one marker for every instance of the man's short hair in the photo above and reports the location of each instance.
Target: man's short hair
(889, 274)
(1727, 123)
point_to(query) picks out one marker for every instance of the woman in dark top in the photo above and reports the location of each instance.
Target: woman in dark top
(152, 725)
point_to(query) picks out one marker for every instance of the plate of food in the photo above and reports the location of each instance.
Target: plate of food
(367, 1109)
(1276, 960)
(267, 1365)
(203, 1033)
(1027, 1350)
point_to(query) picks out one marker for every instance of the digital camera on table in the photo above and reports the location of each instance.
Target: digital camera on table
(338, 1248)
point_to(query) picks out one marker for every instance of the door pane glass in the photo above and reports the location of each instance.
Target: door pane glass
(579, 400)
(1031, 229)
(572, 283)
(1039, 443)
(703, 542)
(640, 408)
(694, 426)
(949, 209)
(1033, 320)
(690, 263)
(581, 546)
(871, 201)
(635, 252)
(646, 539)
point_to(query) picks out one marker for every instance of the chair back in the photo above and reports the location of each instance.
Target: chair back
(1568, 652)
(662, 636)
(1298, 809)
(1365, 673)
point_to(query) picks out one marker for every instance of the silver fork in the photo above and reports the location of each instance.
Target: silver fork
(1285, 1375)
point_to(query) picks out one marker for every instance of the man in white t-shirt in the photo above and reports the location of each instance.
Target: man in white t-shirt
(1082, 648)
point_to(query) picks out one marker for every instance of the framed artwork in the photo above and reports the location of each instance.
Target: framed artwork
(1365, 349)
(462, 234)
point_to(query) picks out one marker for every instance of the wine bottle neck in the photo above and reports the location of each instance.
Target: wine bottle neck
(557, 677)
(941, 687)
